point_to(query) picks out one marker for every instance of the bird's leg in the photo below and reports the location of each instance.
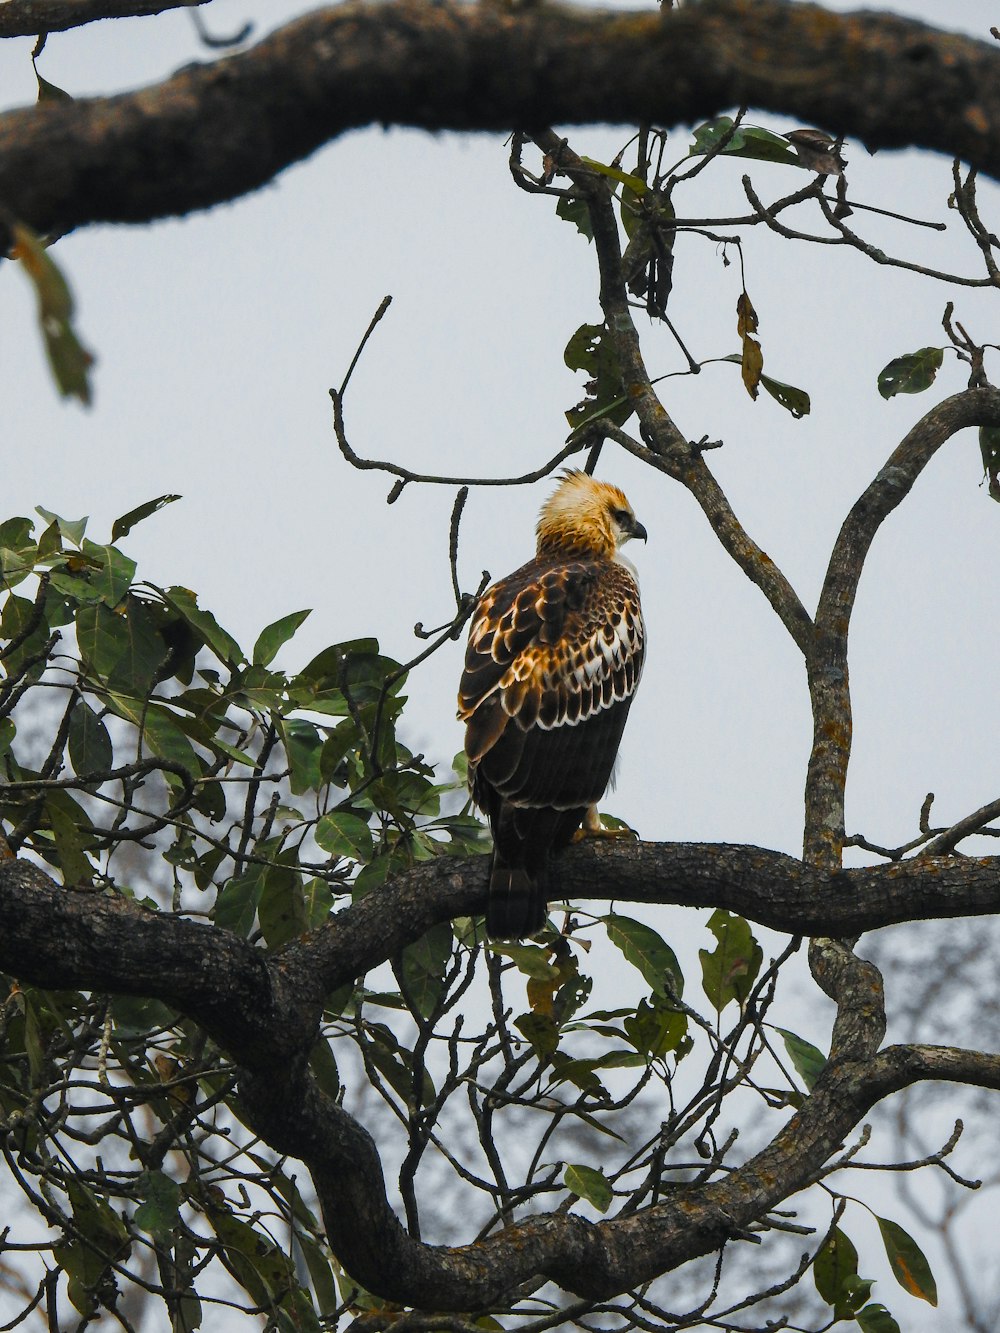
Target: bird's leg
(593, 828)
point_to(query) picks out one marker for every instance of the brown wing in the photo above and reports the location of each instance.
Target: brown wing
(555, 653)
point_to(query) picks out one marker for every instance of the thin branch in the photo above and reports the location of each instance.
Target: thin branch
(878, 256)
(406, 475)
(975, 823)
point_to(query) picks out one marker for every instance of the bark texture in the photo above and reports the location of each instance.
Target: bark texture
(264, 1009)
(217, 131)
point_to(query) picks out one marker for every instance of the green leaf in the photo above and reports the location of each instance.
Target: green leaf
(591, 349)
(425, 963)
(323, 1064)
(236, 904)
(66, 820)
(78, 591)
(573, 209)
(144, 651)
(71, 529)
(276, 634)
(911, 373)
(589, 1184)
(123, 525)
(876, 1319)
(320, 1274)
(656, 1028)
(372, 876)
(989, 447)
(281, 911)
(296, 1313)
(357, 668)
(161, 733)
(189, 1313)
(49, 543)
(541, 1031)
(134, 1015)
(856, 1292)
(113, 574)
(17, 615)
(15, 566)
(793, 400)
(833, 1268)
(647, 951)
(808, 1060)
(728, 973)
(909, 1265)
(68, 358)
(635, 183)
(90, 748)
(747, 141)
(158, 1212)
(103, 639)
(583, 1073)
(638, 224)
(15, 533)
(205, 625)
(317, 898)
(529, 959)
(340, 833)
(101, 1238)
(263, 1270)
(303, 747)
(395, 1063)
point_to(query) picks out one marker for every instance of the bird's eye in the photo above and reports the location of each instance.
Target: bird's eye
(621, 516)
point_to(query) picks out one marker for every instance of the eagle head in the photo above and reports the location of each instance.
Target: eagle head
(586, 517)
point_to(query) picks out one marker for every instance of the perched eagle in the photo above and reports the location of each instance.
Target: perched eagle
(554, 657)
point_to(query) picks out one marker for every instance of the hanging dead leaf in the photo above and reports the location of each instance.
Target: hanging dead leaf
(746, 316)
(752, 358)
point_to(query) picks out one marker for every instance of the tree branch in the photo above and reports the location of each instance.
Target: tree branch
(667, 449)
(31, 18)
(594, 1260)
(249, 1000)
(260, 1007)
(829, 685)
(65, 938)
(215, 132)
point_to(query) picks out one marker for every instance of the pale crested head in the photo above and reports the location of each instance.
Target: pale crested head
(586, 516)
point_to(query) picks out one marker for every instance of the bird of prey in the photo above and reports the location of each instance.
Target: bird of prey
(553, 661)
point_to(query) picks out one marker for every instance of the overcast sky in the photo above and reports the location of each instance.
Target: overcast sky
(218, 336)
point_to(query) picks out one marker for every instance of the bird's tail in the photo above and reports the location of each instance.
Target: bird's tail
(517, 902)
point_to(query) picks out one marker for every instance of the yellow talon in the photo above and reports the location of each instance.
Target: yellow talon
(593, 828)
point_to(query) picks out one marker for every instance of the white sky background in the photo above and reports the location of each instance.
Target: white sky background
(218, 336)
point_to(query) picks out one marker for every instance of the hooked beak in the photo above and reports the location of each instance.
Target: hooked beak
(638, 531)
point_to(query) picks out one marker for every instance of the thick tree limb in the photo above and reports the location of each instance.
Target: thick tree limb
(252, 1002)
(594, 1260)
(66, 938)
(213, 133)
(261, 1008)
(30, 18)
